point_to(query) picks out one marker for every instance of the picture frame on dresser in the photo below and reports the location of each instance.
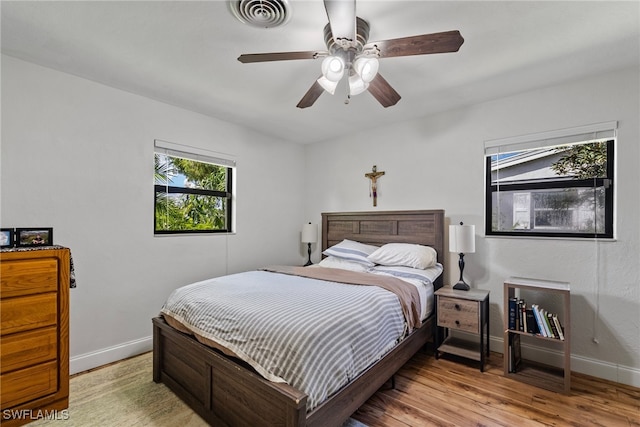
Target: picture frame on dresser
(6, 237)
(28, 237)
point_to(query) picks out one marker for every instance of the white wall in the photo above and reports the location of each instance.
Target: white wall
(78, 156)
(437, 162)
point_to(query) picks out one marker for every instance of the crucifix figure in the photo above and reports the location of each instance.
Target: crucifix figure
(373, 176)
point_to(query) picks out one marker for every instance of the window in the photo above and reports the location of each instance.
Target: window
(558, 185)
(193, 191)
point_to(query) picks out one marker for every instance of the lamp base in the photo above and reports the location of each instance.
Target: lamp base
(461, 286)
(309, 252)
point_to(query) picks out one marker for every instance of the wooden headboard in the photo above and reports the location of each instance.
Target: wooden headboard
(423, 227)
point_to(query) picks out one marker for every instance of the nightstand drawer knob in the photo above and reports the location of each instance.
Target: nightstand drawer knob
(457, 307)
(457, 323)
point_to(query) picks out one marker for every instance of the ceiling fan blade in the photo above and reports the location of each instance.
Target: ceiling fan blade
(448, 41)
(279, 56)
(342, 18)
(383, 92)
(311, 96)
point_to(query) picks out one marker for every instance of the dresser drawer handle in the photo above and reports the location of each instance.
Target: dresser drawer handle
(457, 323)
(457, 306)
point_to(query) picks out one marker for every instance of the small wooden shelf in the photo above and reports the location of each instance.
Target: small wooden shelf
(528, 334)
(539, 375)
(459, 347)
(530, 372)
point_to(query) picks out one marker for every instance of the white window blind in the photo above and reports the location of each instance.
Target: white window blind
(606, 130)
(193, 153)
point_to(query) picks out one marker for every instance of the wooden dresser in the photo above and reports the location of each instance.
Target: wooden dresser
(34, 334)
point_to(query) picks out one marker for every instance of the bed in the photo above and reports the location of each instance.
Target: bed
(227, 391)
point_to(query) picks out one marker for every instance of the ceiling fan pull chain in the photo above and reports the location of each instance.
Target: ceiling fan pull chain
(348, 99)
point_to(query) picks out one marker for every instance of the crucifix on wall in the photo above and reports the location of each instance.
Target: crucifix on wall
(373, 176)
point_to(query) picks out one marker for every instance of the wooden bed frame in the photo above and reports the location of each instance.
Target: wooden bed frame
(226, 391)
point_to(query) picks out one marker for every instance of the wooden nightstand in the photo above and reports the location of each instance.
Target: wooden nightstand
(465, 311)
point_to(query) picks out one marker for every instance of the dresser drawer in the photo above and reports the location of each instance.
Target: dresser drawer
(28, 348)
(27, 277)
(28, 384)
(30, 312)
(459, 314)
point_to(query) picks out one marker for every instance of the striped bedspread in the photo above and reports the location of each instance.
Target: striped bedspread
(313, 334)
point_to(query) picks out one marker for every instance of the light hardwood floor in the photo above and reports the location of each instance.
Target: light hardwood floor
(453, 392)
(429, 392)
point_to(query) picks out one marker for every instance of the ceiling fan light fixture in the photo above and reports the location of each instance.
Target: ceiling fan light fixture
(349, 51)
(367, 68)
(357, 85)
(333, 68)
(328, 85)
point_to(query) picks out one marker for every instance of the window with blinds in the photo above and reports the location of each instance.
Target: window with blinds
(193, 190)
(558, 184)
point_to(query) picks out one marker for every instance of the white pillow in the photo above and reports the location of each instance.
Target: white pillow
(425, 275)
(343, 264)
(405, 254)
(355, 251)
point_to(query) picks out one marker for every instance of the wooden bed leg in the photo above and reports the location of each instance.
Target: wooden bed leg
(390, 384)
(157, 355)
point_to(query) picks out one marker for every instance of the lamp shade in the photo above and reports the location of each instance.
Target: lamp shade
(357, 85)
(309, 233)
(328, 85)
(462, 239)
(333, 68)
(367, 68)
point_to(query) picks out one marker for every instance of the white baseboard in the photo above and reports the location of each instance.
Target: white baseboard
(94, 359)
(596, 368)
(608, 371)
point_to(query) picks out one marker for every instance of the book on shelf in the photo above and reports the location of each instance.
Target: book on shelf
(547, 325)
(515, 353)
(552, 324)
(558, 327)
(532, 325)
(513, 306)
(536, 313)
(521, 306)
(523, 316)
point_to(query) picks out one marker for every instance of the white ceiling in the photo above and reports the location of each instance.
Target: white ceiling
(185, 53)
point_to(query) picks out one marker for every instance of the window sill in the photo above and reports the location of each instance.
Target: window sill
(575, 239)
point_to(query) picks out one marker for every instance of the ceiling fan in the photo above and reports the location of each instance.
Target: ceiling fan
(350, 53)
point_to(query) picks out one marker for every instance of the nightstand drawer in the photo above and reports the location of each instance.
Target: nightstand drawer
(459, 314)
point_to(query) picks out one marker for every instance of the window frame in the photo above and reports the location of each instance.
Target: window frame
(607, 183)
(192, 154)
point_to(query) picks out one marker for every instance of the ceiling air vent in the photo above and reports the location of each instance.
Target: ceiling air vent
(261, 13)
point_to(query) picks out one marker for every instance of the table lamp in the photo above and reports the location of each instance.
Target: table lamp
(309, 236)
(462, 240)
